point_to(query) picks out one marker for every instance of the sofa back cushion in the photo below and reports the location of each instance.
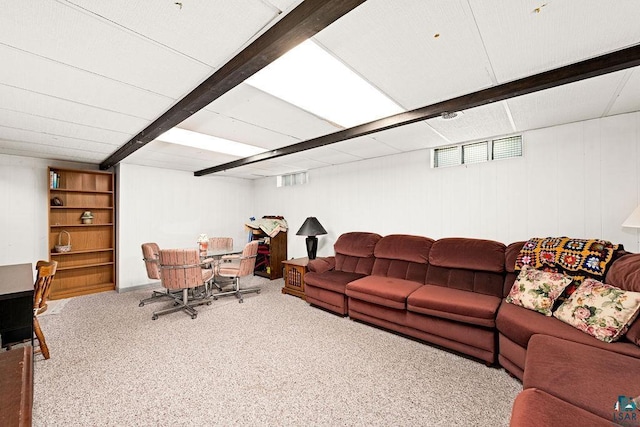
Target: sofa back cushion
(625, 274)
(475, 265)
(354, 252)
(402, 256)
(510, 256)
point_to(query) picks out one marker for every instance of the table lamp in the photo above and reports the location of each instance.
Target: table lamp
(634, 220)
(311, 228)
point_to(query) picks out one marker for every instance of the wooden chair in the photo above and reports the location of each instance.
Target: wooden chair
(42, 288)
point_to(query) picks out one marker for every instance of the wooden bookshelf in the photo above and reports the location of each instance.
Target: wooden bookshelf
(91, 263)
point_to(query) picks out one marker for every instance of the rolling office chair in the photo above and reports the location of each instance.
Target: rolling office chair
(150, 256)
(221, 243)
(239, 267)
(181, 269)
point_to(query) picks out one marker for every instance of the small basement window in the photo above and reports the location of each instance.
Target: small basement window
(292, 179)
(477, 152)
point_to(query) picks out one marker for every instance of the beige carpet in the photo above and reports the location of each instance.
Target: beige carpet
(271, 361)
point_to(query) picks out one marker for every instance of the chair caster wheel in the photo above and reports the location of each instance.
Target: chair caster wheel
(154, 317)
(209, 303)
(175, 304)
(215, 298)
(141, 304)
(241, 301)
(193, 316)
(258, 291)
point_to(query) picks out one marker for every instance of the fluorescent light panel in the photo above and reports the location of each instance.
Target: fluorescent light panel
(312, 79)
(209, 142)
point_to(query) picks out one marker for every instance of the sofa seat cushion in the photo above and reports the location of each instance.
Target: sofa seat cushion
(590, 378)
(519, 324)
(333, 280)
(386, 291)
(455, 304)
(547, 410)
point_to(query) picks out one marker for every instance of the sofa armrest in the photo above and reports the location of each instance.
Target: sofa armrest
(320, 265)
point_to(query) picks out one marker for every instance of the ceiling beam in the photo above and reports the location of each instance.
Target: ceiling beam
(604, 64)
(303, 22)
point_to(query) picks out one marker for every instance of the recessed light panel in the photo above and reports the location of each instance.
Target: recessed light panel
(314, 80)
(209, 142)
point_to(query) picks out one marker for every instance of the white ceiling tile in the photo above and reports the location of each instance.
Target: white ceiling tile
(41, 140)
(395, 48)
(284, 5)
(629, 97)
(208, 31)
(365, 147)
(200, 159)
(211, 123)
(56, 128)
(330, 156)
(248, 104)
(65, 150)
(565, 104)
(73, 37)
(42, 76)
(301, 160)
(476, 123)
(47, 106)
(411, 137)
(521, 42)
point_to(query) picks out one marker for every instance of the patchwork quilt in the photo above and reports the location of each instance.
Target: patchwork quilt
(578, 258)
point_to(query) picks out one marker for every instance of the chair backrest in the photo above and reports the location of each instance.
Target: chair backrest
(248, 259)
(150, 255)
(180, 268)
(220, 243)
(42, 287)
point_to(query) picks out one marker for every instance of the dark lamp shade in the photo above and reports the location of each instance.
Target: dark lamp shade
(311, 227)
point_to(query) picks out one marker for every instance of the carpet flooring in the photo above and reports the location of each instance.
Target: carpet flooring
(271, 361)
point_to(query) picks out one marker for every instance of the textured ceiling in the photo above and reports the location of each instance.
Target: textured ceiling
(82, 77)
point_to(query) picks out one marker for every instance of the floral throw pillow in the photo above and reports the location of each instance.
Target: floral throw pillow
(537, 290)
(601, 310)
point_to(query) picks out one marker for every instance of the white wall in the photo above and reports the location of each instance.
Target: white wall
(577, 180)
(580, 179)
(24, 207)
(172, 208)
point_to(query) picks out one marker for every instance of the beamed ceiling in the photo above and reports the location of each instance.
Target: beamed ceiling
(95, 82)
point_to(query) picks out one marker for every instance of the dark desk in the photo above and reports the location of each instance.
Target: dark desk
(16, 303)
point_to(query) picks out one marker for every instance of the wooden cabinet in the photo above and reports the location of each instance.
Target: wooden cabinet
(294, 270)
(271, 252)
(89, 265)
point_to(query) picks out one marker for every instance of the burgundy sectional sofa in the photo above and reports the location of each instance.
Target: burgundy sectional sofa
(516, 325)
(450, 292)
(327, 279)
(572, 384)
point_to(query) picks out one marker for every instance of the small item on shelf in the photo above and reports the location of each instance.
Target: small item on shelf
(87, 217)
(56, 202)
(60, 248)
